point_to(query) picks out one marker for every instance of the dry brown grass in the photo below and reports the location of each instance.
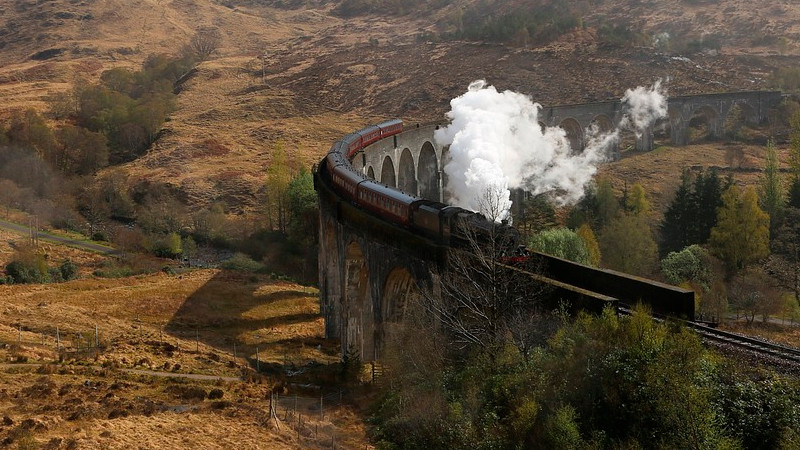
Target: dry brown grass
(185, 324)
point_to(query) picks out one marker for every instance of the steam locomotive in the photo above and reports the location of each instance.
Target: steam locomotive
(444, 224)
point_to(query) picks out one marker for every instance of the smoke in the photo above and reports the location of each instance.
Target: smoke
(496, 143)
(643, 106)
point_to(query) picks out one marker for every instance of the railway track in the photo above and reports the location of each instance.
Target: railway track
(710, 334)
(777, 351)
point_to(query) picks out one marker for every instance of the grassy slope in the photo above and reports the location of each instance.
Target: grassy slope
(203, 313)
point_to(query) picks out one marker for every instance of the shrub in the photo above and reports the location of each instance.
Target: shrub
(243, 263)
(68, 270)
(22, 271)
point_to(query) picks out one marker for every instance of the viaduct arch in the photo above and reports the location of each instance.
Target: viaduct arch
(369, 270)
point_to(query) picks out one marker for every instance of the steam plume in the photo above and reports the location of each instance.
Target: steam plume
(497, 143)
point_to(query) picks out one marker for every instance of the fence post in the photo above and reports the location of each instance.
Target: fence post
(321, 414)
(58, 340)
(96, 337)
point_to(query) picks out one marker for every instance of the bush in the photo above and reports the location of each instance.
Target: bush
(23, 272)
(243, 263)
(68, 270)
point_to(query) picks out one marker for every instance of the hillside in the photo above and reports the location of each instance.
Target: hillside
(300, 76)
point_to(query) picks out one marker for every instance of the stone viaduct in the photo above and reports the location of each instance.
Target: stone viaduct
(369, 269)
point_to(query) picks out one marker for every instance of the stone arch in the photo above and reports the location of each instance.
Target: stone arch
(738, 117)
(400, 292)
(703, 124)
(406, 177)
(371, 172)
(357, 303)
(662, 131)
(599, 126)
(428, 172)
(601, 123)
(387, 172)
(574, 133)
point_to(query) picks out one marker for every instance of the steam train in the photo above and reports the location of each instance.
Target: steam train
(447, 225)
(444, 224)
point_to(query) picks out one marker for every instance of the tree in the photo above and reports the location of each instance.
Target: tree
(677, 228)
(692, 264)
(204, 43)
(707, 195)
(794, 141)
(741, 236)
(81, 152)
(627, 245)
(561, 242)
(784, 263)
(587, 235)
(691, 215)
(303, 207)
(276, 189)
(607, 203)
(478, 297)
(771, 192)
(636, 202)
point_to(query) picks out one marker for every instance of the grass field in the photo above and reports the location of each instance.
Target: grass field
(162, 324)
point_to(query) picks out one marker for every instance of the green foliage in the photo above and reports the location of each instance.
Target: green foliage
(627, 245)
(168, 246)
(620, 35)
(561, 242)
(761, 414)
(587, 235)
(771, 190)
(242, 263)
(636, 202)
(692, 214)
(484, 21)
(535, 214)
(303, 208)
(692, 264)
(600, 382)
(24, 272)
(130, 107)
(741, 236)
(276, 190)
(68, 270)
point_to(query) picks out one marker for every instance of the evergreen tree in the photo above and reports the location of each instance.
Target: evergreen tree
(679, 221)
(708, 197)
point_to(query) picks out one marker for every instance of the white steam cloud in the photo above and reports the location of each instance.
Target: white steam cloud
(496, 143)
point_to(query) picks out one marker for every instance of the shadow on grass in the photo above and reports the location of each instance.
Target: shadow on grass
(253, 313)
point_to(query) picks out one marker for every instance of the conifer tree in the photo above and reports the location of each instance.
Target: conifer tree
(677, 227)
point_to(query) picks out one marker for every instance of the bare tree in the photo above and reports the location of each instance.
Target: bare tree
(204, 43)
(481, 300)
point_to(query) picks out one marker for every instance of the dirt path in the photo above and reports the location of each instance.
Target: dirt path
(44, 236)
